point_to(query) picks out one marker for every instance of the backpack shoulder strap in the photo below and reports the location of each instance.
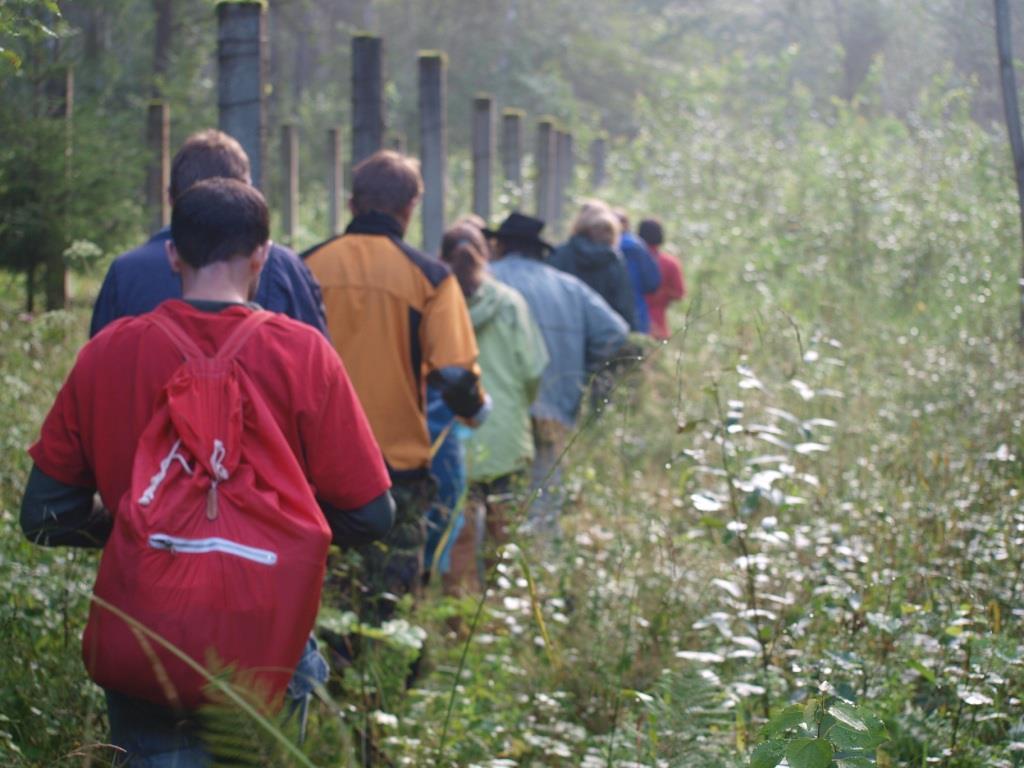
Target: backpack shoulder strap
(241, 334)
(186, 346)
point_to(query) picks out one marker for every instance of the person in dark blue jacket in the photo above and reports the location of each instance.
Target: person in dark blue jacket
(139, 280)
(644, 274)
(591, 255)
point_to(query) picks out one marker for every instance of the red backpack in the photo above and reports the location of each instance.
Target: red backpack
(219, 547)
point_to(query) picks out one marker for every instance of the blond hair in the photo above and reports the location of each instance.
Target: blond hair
(596, 221)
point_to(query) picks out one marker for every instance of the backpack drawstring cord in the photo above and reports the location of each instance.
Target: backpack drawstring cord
(158, 478)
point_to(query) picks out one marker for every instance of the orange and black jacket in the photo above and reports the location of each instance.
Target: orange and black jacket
(397, 318)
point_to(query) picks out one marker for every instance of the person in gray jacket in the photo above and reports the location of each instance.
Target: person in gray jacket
(581, 332)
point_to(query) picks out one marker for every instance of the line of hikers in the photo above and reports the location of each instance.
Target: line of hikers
(389, 401)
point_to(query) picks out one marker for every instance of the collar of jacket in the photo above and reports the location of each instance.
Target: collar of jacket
(374, 223)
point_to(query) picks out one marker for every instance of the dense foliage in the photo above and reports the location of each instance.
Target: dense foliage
(798, 532)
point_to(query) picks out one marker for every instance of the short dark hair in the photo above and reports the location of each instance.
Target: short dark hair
(651, 232)
(386, 182)
(218, 219)
(207, 154)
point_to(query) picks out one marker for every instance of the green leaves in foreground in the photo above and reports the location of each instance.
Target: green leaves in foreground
(809, 753)
(814, 735)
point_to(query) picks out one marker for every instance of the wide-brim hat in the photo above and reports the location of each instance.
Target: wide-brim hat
(522, 229)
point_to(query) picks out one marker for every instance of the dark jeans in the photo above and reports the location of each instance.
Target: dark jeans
(393, 567)
(153, 736)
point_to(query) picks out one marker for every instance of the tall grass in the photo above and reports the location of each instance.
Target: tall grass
(813, 491)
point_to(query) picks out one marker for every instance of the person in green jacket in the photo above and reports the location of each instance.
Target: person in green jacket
(512, 359)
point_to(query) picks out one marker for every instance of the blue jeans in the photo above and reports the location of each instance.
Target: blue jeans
(155, 737)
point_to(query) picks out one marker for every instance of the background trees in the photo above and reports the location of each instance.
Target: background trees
(592, 63)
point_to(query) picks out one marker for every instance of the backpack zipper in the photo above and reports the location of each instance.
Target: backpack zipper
(213, 544)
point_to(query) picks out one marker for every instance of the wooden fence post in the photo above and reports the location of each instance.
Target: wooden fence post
(1008, 81)
(241, 78)
(158, 166)
(569, 169)
(512, 154)
(335, 182)
(433, 149)
(544, 161)
(367, 96)
(289, 183)
(563, 176)
(483, 150)
(598, 148)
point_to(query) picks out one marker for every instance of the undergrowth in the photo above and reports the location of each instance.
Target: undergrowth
(797, 532)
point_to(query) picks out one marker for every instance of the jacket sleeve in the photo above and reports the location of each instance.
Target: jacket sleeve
(54, 514)
(675, 284)
(678, 280)
(650, 273)
(606, 332)
(107, 308)
(364, 524)
(287, 286)
(450, 351)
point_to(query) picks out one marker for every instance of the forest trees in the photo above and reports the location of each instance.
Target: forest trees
(60, 201)
(591, 63)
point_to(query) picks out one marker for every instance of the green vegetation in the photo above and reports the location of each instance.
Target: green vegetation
(801, 534)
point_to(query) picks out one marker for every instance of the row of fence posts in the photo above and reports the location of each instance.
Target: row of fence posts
(241, 83)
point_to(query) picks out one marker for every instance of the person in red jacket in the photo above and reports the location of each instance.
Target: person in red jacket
(219, 241)
(673, 284)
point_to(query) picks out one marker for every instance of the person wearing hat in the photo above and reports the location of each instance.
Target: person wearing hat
(581, 332)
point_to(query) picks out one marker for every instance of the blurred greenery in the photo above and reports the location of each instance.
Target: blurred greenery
(799, 529)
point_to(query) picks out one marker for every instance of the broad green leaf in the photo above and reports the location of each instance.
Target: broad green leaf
(783, 721)
(809, 753)
(845, 737)
(768, 755)
(848, 715)
(811, 713)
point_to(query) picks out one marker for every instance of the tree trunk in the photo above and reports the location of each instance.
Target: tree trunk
(1008, 81)
(862, 34)
(56, 290)
(30, 288)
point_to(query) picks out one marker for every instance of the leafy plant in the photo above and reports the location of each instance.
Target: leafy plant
(825, 731)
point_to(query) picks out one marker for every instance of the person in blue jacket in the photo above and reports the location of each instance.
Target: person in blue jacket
(644, 274)
(139, 280)
(592, 255)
